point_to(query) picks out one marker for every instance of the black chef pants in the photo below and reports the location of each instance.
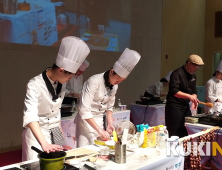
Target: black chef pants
(175, 118)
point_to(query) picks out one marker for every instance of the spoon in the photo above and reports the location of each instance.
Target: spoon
(207, 104)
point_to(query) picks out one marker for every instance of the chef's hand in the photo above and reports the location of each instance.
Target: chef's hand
(194, 100)
(110, 128)
(51, 148)
(104, 134)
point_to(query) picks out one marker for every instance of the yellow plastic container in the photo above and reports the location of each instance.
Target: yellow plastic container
(110, 144)
(105, 143)
(151, 138)
(99, 142)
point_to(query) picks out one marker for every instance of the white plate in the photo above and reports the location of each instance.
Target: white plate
(110, 142)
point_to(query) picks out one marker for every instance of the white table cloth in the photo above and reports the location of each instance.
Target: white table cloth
(195, 128)
(154, 115)
(69, 127)
(161, 162)
(19, 28)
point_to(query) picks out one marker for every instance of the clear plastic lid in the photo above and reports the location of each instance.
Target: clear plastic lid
(161, 129)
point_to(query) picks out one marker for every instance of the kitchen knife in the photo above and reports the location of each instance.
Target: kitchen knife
(79, 156)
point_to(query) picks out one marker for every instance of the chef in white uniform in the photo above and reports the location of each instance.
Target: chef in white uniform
(98, 98)
(74, 85)
(213, 88)
(44, 95)
(157, 89)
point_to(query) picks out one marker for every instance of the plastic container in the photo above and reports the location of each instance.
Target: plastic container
(161, 139)
(151, 137)
(175, 140)
(119, 104)
(140, 134)
(124, 107)
(166, 132)
(170, 142)
(104, 150)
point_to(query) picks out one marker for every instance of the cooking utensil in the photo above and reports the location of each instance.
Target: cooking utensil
(125, 125)
(145, 98)
(54, 154)
(81, 152)
(218, 118)
(53, 160)
(207, 104)
(24, 6)
(124, 137)
(115, 138)
(79, 156)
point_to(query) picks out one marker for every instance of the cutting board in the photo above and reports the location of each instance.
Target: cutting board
(81, 151)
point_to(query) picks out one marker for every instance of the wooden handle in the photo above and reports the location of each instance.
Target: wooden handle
(207, 104)
(202, 103)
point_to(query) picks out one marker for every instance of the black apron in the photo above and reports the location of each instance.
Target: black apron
(175, 119)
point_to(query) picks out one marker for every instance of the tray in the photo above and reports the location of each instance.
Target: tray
(81, 151)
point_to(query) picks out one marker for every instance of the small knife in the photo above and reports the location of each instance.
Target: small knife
(79, 156)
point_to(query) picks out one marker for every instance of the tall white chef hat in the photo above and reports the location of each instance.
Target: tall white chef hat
(84, 65)
(168, 76)
(219, 67)
(72, 52)
(127, 61)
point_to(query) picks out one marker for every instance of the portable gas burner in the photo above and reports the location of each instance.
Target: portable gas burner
(36, 166)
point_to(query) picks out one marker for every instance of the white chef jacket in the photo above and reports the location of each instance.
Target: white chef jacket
(39, 107)
(155, 89)
(74, 85)
(96, 98)
(213, 91)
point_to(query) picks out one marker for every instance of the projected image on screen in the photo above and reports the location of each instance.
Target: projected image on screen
(102, 24)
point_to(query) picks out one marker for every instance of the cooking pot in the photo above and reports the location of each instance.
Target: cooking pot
(24, 6)
(51, 161)
(66, 107)
(154, 98)
(145, 98)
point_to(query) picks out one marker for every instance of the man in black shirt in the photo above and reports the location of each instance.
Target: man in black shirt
(182, 90)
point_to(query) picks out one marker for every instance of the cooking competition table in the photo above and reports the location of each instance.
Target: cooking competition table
(157, 162)
(195, 128)
(69, 127)
(153, 114)
(36, 26)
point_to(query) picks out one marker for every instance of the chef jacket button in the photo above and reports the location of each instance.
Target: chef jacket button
(48, 119)
(52, 110)
(101, 103)
(55, 117)
(105, 95)
(99, 109)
